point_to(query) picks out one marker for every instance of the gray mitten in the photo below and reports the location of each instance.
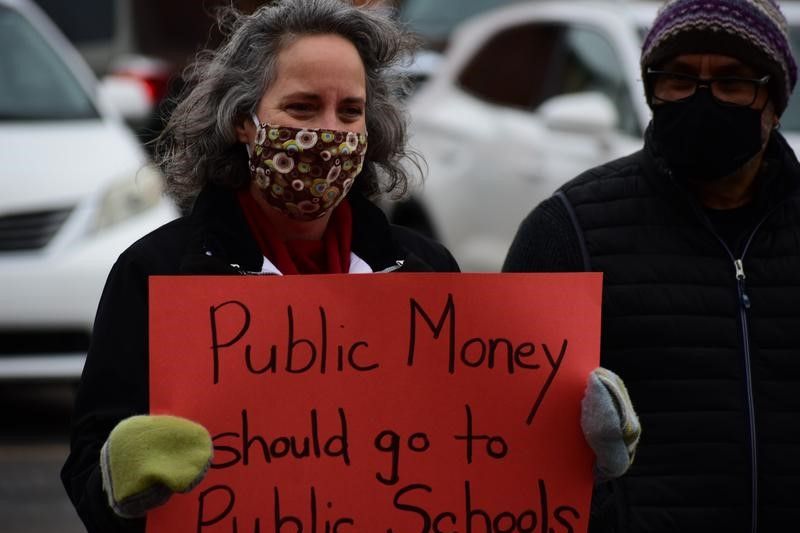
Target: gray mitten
(609, 423)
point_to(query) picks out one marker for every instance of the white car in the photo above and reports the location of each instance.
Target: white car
(76, 190)
(525, 98)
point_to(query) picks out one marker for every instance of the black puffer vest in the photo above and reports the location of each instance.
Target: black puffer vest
(707, 340)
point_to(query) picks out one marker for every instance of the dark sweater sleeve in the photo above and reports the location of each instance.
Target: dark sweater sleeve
(425, 254)
(113, 387)
(546, 241)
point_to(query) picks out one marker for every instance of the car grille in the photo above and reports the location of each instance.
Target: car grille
(30, 231)
(43, 342)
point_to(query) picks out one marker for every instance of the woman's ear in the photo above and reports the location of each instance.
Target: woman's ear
(245, 130)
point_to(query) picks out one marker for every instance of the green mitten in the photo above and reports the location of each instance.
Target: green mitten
(147, 458)
(609, 423)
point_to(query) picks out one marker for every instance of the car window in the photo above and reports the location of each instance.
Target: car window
(592, 64)
(513, 67)
(36, 84)
(523, 66)
(95, 23)
(790, 120)
(435, 19)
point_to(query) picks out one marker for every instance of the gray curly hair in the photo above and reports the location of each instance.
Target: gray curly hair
(198, 144)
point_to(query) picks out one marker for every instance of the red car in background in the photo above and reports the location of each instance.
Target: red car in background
(149, 41)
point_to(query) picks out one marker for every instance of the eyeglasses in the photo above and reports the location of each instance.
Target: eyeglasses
(731, 91)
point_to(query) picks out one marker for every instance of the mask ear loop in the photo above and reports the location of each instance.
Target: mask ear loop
(259, 126)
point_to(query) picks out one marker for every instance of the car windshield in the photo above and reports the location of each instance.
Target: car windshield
(36, 84)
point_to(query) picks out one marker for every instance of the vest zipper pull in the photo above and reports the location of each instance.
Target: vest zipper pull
(740, 277)
(739, 269)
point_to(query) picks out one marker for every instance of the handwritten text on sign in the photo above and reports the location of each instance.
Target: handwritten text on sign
(399, 403)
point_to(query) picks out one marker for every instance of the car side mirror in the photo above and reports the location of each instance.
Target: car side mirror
(587, 112)
(127, 96)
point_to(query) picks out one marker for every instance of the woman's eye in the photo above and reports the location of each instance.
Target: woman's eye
(353, 111)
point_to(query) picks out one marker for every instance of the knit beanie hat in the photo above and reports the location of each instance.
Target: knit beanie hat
(753, 31)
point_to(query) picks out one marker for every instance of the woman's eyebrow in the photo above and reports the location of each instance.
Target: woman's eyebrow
(300, 95)
(353, 100)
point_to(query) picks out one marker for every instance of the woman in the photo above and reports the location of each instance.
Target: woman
(279, 139)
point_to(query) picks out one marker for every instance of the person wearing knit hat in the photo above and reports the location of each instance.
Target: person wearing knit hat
(753, 31)
(698, 238)
(708, 134)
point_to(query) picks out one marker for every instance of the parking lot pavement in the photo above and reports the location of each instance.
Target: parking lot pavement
(33, 445)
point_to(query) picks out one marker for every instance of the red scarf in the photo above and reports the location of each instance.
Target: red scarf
(329, 255)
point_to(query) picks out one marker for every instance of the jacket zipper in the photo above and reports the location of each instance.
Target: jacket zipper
(398, 265)
(744, 306)
(394, 268)
(239, 270)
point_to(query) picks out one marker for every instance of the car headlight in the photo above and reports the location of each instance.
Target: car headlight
(128, 198)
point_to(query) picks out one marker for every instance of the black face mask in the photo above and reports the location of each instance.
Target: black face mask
(704, 141)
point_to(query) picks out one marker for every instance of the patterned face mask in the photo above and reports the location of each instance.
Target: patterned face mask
(304, 173)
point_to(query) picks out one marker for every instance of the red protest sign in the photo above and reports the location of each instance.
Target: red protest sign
(397, 403)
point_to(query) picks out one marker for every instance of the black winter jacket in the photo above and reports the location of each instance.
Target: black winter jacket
(213, 239)
(706, 337)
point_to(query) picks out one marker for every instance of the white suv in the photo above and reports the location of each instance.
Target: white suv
(525, 98)
(76, 191)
